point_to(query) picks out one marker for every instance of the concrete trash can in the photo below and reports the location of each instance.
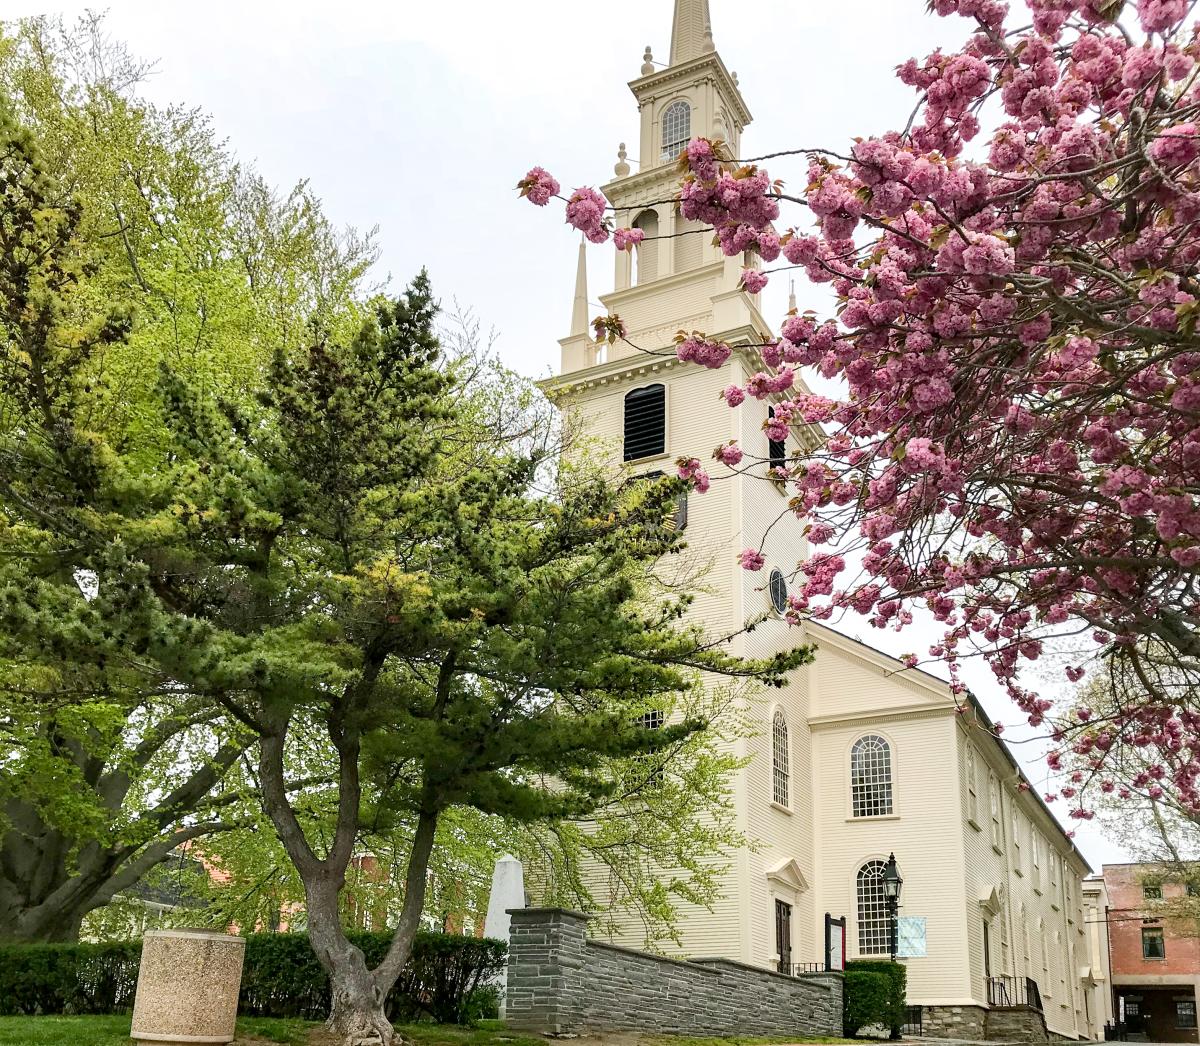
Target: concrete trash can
(187, 989)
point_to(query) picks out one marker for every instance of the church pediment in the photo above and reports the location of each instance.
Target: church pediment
(989, 900)
(788, 873)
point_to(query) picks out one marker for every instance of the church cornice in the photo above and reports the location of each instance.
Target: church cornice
(623, 369)
(646, 88)
(653, 287)
(633, 183)
(606, 374)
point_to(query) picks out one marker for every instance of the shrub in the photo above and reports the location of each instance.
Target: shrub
(875, 993)
(446, 978)
(445, 972)
(68, 978)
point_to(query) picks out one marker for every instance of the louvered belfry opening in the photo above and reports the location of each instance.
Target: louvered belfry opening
(776, 448)
(645, 422)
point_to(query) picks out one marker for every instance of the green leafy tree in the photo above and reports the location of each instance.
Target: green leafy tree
(108, 767)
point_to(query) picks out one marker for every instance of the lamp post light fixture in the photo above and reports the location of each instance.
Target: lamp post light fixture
(891, 894)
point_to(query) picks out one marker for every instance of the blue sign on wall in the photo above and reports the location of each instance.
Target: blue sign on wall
(910, 932)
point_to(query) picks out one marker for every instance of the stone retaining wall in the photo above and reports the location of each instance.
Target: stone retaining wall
(560, 982)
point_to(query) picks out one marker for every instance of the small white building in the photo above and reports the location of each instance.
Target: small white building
(858, 758)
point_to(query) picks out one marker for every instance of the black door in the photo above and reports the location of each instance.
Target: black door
(783, 935)
(987, 950)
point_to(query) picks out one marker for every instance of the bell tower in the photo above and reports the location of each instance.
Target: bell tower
(676, 278)
(637, 408)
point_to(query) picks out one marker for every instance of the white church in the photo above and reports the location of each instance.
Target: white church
(857, 758)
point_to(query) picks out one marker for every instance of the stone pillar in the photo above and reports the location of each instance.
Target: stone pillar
(545, 969)
(187, 990)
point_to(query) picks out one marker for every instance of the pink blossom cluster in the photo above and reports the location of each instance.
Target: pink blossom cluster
(729, 454)
(538, 186)
(695, 348)
(689, 470)
(586, 211)
(627, 239)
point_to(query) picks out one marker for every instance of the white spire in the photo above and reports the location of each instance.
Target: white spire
(579, 311)
(691, 32)
(792, 296)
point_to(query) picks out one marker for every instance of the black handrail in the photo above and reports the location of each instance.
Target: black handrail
(795, 969)
(1014, 992)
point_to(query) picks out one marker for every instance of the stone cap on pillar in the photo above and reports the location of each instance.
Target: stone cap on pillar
(549, 911)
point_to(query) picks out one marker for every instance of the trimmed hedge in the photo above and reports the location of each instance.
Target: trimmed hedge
(68, 978)
(875, 994)
(445, 979)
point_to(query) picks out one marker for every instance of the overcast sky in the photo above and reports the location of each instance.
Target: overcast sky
(420, 118)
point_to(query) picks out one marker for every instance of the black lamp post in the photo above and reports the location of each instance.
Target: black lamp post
(891, 893)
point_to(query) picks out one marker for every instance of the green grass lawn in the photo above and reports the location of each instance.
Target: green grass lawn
(114, 1031)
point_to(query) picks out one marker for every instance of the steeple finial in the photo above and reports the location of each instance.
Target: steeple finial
(621, 168)
(579, 311)
(691, 32)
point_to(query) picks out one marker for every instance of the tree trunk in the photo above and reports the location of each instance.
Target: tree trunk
(41, 926)
(356, 1015)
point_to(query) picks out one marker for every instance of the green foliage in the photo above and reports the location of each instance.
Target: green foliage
(875, 993)
(281, 977)
(68, 978)
(867, 1001)
(132, 239)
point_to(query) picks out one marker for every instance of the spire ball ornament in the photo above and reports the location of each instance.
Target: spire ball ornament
(621, 168)
(647, 62)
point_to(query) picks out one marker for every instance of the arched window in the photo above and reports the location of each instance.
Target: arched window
(870, 777)
(779, 759)
(874, 926)
(689, 243)
(676, 129)
(645, 422)
(646, 253)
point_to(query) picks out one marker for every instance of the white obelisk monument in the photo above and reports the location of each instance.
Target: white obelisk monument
(508, 891)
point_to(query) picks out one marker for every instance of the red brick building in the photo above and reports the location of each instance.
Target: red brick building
(1155, 962)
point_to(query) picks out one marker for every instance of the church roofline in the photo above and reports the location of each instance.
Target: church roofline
(932, 682)
(687, 71)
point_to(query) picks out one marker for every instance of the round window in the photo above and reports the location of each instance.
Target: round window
(777, 588)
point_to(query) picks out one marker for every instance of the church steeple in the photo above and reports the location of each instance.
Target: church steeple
(579, 310)
(675, 279)
(691, 32)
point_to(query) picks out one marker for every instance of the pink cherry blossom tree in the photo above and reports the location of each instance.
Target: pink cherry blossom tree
(1017, 448)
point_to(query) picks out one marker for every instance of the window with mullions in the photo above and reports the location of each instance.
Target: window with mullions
(874, 926)
(676, 129)
(1152, 893)
(645, 422)
(1185, 1013)
(652, 720)
(1153, 945)
(870, 777)
(780, 764)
